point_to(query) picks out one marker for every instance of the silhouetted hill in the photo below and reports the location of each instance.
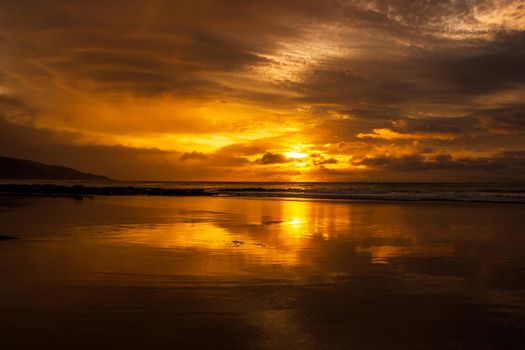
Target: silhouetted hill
(12, 168)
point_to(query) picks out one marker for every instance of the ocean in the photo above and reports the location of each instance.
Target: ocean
(464, 192)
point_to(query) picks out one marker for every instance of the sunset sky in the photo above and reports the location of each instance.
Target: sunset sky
(283, 90)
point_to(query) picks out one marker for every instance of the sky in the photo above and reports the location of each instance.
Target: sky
(287, 90)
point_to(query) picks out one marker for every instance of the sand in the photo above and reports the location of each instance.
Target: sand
(222, 273)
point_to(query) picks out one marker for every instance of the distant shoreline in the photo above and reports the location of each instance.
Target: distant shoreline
(85, 191)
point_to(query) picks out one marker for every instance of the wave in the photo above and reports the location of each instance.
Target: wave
(422, 194)
(505, 193)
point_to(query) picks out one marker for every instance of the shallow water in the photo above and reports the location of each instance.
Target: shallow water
(208, 272)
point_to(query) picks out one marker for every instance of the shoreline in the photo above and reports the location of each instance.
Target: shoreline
(80, 192)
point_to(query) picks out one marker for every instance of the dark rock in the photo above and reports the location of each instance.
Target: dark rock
(78, 191)
(7, 238)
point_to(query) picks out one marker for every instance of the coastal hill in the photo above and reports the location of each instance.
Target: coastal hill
(13, 168)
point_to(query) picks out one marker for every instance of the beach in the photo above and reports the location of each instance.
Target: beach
(219, 272)
(266, 175)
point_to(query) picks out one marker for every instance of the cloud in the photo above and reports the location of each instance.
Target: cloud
(505, 120)
(438, 125)
(193, 156)
(510, 162)
(388, 134)
(273, 158)
(319, 160)
(209, 85)
(245, 149)
(16, 110)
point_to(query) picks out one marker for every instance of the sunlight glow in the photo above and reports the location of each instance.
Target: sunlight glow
(295, 222)
(296, 155)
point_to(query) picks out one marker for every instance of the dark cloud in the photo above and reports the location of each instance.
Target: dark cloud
(16, 110)
(176, 47)
(490, 67)
(371, 111)
(273, 158)
(439, 75)
(508, 163)
(319, 160)
(404, 163)
(438, 125)
(193, 156)
(245, 149)
(507, 120)
(224, 160)
(134, 64)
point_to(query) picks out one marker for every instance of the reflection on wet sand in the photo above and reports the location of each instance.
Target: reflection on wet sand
(278, 237)
(261, 273)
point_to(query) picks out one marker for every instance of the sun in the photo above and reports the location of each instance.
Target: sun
(296, 155)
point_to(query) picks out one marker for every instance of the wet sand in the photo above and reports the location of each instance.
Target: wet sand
(223, 273)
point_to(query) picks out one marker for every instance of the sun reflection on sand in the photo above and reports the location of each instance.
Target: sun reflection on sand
(279, 238)
(247, 235)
